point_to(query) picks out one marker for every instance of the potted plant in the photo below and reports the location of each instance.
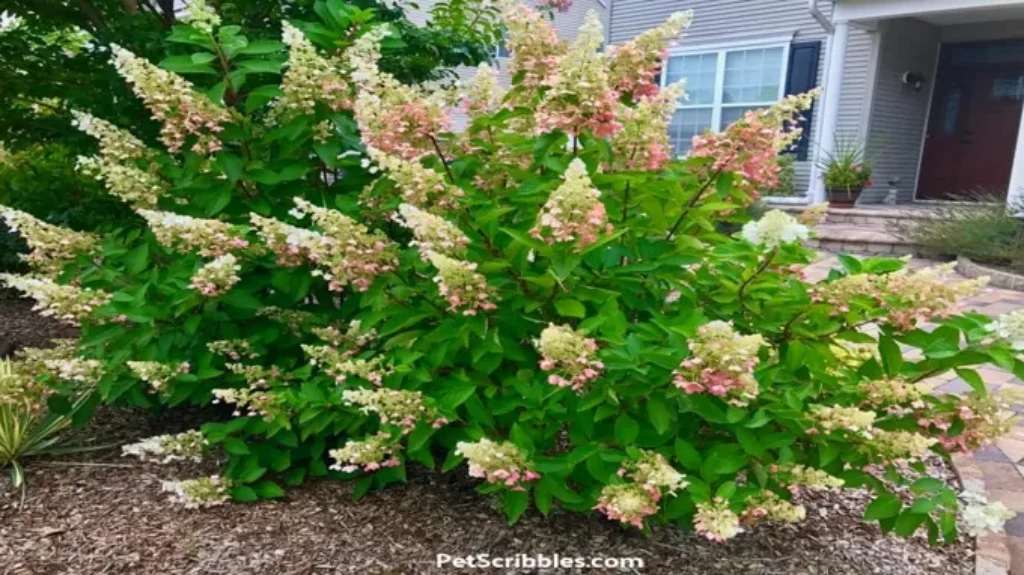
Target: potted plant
(846, 172)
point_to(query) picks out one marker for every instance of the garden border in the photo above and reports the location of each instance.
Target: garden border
(991, 554)
(997, 278)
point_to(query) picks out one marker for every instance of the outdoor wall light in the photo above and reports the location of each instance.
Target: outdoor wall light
(914, 79)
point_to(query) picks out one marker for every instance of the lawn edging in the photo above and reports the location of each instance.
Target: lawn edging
(992, 555)
(997, 278)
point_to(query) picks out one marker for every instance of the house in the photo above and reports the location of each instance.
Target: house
(933, 88)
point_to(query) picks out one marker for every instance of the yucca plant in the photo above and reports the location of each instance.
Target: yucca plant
(28, 427)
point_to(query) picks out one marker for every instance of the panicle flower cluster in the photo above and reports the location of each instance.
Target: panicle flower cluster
(642, 143)
(116, 145)
(349, 341)
(52, 246)
(578, 97)
(291, 245)
(926, 294)
(75, 369)
(67, 303)
(21, 389)
(394, 117)
(460, 285)
(499, 463)
(418, 185)
(633, 66)
(1009, 328)
(569, 355)
(187, 235)
(217, 277)
(533, 44)
(394, 407)
(653, 472)
(573, 212)
(628, 503)
(799, 477)
(169, 448)
(370, 454)
(132, 185)
(982, 516)
(982, 418)
(899, 445)
(295, 319)
(484, 94)
(256, 376)
(348, 251)
(173, 102)
(814, 215)
(157, 374)
(200, 16)
(890, 392)
(432, 233)
(905, 297)
(199, 493)
(233, 349)
(715, 521)
(749, 147)
(308, 79)
(774, 229)
(829, 418)
(560, 5)
(255, 403)
(767, 505)
(722, 363)
(340, 365)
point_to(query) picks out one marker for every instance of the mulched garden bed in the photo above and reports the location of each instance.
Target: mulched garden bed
(97, 512)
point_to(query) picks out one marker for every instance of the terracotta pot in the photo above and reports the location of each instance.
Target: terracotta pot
(843, 198)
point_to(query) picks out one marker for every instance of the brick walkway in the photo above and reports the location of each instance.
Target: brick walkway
(999, 466)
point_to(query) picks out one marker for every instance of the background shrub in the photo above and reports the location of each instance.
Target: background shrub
(545, 297)
(986, 231)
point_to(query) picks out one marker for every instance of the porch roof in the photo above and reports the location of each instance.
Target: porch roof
(938, 12)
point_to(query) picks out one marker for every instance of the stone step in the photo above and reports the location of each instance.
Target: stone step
(881, 216)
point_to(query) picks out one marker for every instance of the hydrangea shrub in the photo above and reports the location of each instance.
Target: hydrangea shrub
(543, 299)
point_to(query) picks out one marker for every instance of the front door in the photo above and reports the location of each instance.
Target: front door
(975, 117)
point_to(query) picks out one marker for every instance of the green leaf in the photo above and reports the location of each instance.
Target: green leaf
(244, 493)
(137, 259)
(884, 506)
(235, 446)
(659, 414)
(185, 65)
(973, 379)
(260, 66)
(892, 357)
(262, 47)
(748, 440)
(626, 430)
(907, 523)
(570, 308)
(543, 498)
(515, 504)
(260, 96)
(687, 455)
(268, 490)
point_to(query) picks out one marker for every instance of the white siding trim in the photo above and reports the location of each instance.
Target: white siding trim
(927, 120)
(872, 81)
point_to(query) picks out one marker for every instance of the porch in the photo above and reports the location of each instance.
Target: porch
(934, 89)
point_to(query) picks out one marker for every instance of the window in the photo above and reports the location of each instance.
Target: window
(501, 50)
(722, 85)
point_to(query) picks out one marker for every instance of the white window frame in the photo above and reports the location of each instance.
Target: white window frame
(721, 50)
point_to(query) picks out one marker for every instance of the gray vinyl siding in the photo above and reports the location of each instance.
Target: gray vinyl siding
(899, 112)
(724, 21)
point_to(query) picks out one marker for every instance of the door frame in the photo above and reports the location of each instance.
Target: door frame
(933, 81)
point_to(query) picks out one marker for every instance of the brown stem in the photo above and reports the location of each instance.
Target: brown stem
(444, 162)
(764, 265)
(691, 203)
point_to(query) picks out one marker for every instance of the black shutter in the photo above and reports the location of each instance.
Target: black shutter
(803, 76)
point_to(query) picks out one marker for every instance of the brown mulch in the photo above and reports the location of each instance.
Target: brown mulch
(97, 512)
(20, 327)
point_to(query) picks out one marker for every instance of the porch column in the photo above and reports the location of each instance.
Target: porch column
(830, 105)
(1015, 194)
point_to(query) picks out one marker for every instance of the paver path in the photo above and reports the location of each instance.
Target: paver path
(1001, 466)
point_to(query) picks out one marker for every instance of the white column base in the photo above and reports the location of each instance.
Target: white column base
(830, 107)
